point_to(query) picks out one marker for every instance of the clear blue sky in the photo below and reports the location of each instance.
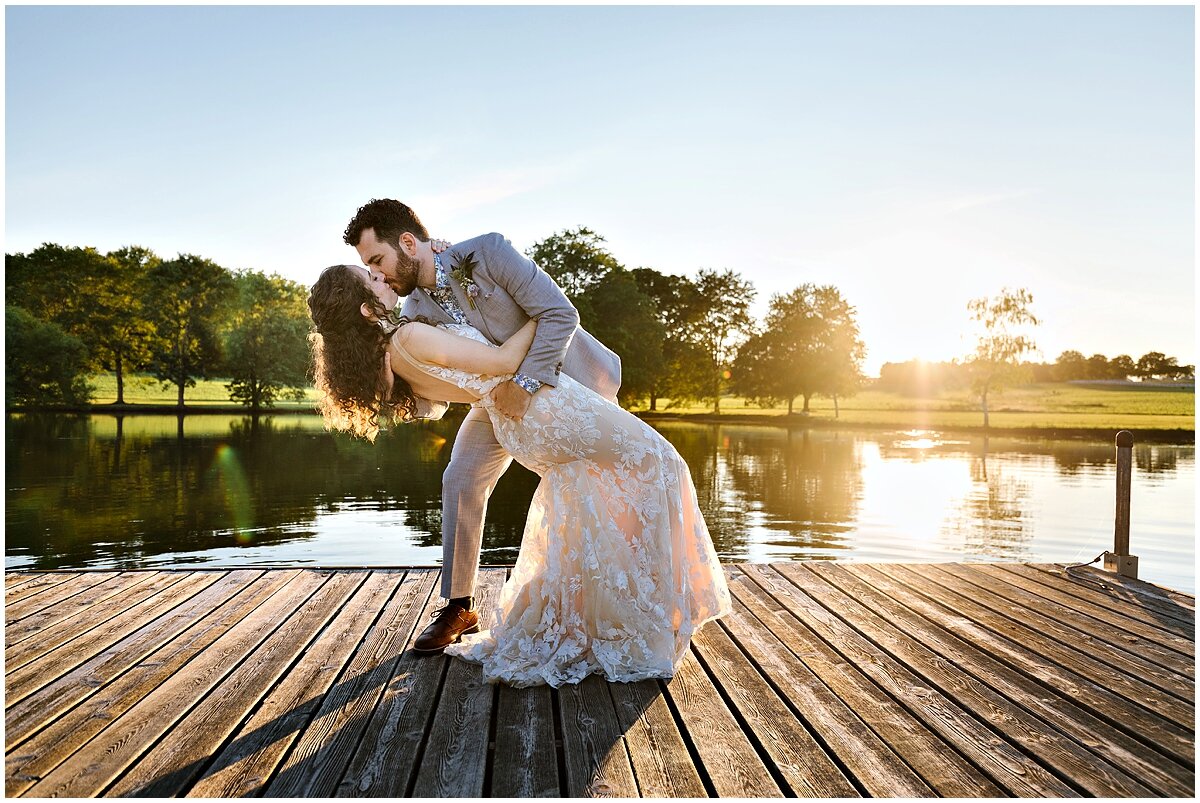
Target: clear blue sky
(916, 157)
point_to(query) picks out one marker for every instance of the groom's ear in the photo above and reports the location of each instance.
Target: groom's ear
(408, 243)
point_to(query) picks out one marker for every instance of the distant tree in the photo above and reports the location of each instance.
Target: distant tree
(186, 298)
(760, 370)
(575, 258)
(723, 323)
(129, 334)
(51, 282)
(622, 317)
(1123, 367)
(685, 373)
(266, 340)
(95, 297)
(1155, 365)
(611, 305)
(1002, 343)
(1070, 365)
(809, 344)
(843, 348)
(1042, 371)
(42, 363)
(1098, 367)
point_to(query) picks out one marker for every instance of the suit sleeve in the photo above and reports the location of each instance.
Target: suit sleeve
(542, 299)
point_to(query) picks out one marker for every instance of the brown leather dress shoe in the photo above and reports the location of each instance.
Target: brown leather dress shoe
(448, 626)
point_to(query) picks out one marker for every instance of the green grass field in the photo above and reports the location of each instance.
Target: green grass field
(1039, 406)
(146, 390)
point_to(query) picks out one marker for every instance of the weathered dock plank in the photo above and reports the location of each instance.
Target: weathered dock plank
(14, 579)
(455, 756)
(57, 715)
(661, 761)
(1014, 698)
(1118, 596)
(171, 766)
(1008, 766)
(526, 760)
(22, 625)
(731, 765)
(1168, 601)
(54, 596)
(398, 724)
(597, 760)
(942, 630)
(94, 767)
(1175, 740)
(1128, 633)
(36, 584)
(242, 767)
(1124, 674)
(319, 757)
(799, 758)
(36, 661)
(851, 693)
(827, 679)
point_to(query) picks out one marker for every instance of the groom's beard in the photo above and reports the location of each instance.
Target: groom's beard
(407, 270)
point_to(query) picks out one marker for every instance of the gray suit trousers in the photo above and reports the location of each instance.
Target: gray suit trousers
(476, 465)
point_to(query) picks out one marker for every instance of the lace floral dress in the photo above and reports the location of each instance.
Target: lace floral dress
(616, 569)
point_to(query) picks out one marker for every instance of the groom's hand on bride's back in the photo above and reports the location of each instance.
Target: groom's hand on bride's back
(512, 400)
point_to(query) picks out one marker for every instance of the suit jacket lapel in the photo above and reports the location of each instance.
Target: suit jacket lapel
(419, 303)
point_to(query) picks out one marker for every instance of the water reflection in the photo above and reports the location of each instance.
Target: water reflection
(152, 490)
(993, 520)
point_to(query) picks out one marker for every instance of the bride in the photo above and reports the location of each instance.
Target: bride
(616, 569)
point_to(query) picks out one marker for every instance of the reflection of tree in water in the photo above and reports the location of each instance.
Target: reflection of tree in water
(803, 483)
(1152, 460)
(993, 522)
(87, 490)
(416, 457)
(77, 495)
(1073, 459)
(809, 485)
(700, 447)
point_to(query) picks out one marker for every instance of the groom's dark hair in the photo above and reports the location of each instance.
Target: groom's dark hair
(389, 218)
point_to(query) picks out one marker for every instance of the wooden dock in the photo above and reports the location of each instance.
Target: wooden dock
(828, 680)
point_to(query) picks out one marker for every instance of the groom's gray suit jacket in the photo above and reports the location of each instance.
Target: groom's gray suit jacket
(512, 290)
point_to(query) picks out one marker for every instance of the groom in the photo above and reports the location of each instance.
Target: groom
(488, 284)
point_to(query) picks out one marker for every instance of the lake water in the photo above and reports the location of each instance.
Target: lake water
(150, 491)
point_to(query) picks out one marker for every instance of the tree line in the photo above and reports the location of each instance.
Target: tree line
(921, 378)
(73, 311)
(690, 340)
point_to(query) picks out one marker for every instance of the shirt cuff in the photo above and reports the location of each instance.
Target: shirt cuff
(528, 382)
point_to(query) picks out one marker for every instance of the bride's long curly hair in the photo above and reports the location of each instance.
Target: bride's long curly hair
(348, 353)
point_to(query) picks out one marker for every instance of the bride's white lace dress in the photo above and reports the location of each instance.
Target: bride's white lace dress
(616, 569)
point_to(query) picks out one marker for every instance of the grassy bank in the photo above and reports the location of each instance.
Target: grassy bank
(1030, 408)
(1052, 406)
(207, 392)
